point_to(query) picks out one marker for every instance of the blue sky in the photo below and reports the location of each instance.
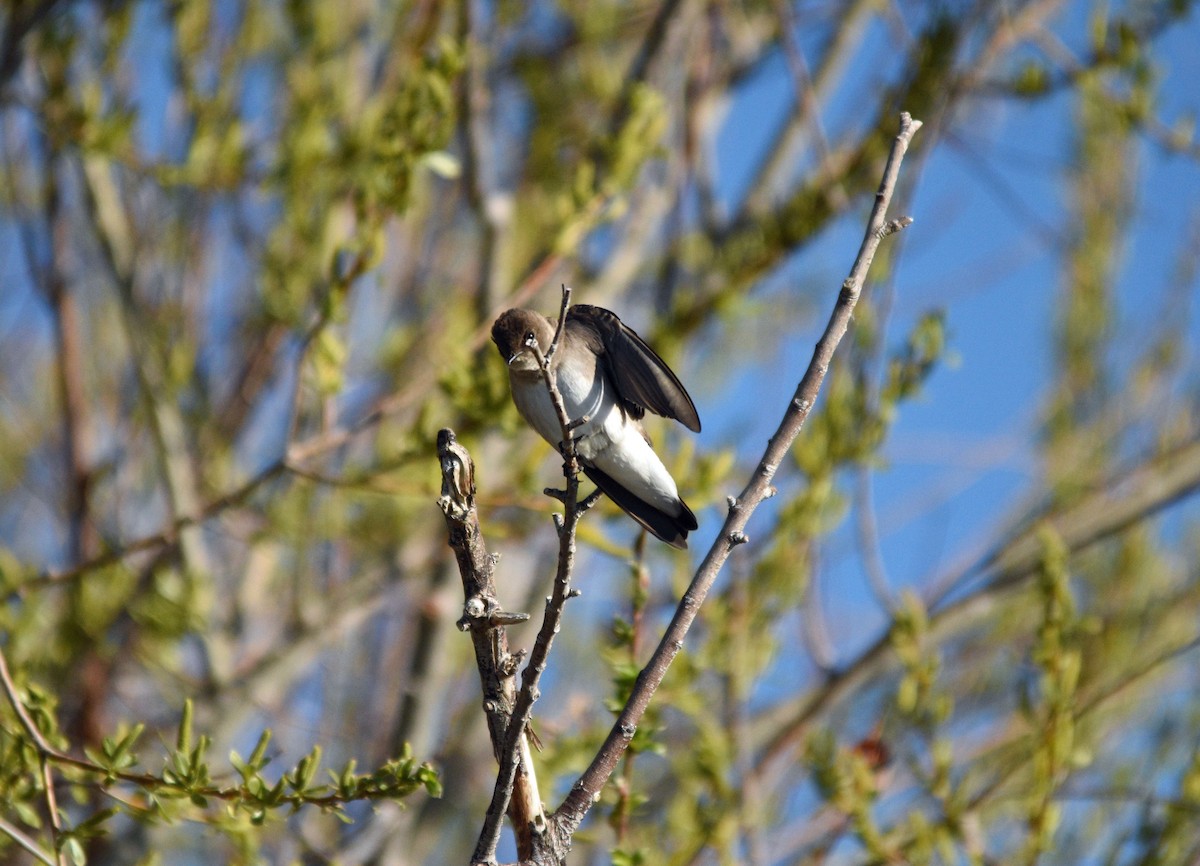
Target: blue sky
(962, 454)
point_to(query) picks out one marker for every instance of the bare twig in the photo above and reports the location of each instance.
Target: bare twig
(484, 618)
(867, 534)
(491, 207)
(585, 791)
(45, 752)
(801, 79)
(164, 537)
(167, 425)
(787, 146)
(25, 842)
(959, 597)
(814, 632)
(489, 837)
(637, 624)
(558, 330)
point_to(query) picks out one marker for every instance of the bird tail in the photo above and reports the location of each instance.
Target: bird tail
(672, 530)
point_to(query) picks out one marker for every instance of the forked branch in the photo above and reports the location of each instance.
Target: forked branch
(551, 844)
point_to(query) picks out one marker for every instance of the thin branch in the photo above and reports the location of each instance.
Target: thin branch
(558, 330)
(585, 791)
(489, 837)
(492, 213)
(162, 538)
(956, 599)
(801, 79)
(814, 632)
(485, 619)
(637, 625)
(14, 699)
(774, 170)
(323, 797)
(866, 529)
(168, 430)
(1094, 703)
(25, 842)
(44, 750)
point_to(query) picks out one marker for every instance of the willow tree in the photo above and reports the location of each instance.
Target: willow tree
(251, 255)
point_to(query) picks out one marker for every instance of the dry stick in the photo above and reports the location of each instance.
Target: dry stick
(489, 836)
(25, 842)
(558, 331)
(587, 789)
(485, 619)
(639, 594)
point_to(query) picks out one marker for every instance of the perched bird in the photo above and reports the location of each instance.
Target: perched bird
(607, 373)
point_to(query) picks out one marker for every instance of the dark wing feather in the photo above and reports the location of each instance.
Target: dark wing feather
(672, 530)
(642, 378)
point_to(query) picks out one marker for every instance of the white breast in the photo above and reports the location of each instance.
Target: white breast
(610, 441)
(583, 393)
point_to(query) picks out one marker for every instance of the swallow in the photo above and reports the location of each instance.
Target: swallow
(609, 376)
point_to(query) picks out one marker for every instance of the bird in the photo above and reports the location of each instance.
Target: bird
(610, 377)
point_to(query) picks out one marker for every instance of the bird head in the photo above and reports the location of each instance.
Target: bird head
(515, 333)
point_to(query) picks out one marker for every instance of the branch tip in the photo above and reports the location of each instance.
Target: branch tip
(893, 226)
(562, 320)
(504, 617)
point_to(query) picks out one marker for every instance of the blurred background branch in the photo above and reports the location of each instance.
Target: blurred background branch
(250, 252)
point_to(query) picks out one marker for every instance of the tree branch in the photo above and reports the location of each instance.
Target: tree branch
(1118, 504)
(587, 789)
(558, 331)
(44, 753)
(484, 618)
(489, 837)
(25, 842)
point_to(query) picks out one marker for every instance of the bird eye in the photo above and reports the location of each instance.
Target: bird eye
(529, 336)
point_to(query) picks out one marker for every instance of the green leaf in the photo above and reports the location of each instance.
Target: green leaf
(183, 741)
(442, 164)
(74, 850)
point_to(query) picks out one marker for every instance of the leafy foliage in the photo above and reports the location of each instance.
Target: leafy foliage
(252, 250)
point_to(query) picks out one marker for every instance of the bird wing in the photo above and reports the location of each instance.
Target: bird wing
(643, 380)
(672, 530)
